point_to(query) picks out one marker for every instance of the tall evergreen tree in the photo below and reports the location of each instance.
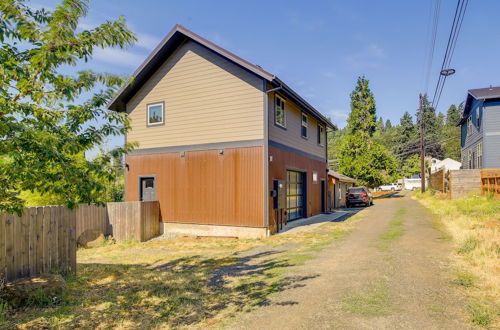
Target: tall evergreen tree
(362, 118)
(453, 115)
(360, 155)
(388, 124)
(408, 129)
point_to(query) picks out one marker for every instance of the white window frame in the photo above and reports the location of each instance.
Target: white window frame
(469, 124)
(470, 161)
(304, 124)
(321, 134)
(479, 155)
(150, 105)
(283, 109)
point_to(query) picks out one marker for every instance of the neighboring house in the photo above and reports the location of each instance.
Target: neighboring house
(480, 125)
(337, 188)
(227, 148)
(447, 164)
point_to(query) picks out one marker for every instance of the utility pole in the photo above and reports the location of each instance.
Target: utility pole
(422, 143)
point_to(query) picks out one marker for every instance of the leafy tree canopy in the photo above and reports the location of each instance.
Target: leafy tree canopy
(49, 118)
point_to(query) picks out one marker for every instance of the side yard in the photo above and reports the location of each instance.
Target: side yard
(472, 224)
(175, 283)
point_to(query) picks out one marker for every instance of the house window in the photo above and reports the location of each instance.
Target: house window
(315, 177)
(469, 124)
(321, 135)
(469, 158)
(303, 130)
(479, 155)
(279, 113)
(155, 114)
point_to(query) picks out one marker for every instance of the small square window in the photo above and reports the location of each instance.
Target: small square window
(304, 126)
(155, 114)
(321, 135)
(280, 114)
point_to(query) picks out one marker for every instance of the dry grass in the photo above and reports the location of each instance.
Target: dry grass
(178, 283)
(473, 225)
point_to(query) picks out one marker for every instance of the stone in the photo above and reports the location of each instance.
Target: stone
(91, 238)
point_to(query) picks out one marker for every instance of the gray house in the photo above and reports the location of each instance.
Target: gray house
(480, 126)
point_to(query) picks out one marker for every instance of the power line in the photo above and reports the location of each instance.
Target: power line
(432, 44)
(450, 48)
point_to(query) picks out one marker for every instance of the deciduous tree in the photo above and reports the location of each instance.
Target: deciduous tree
(50, 115)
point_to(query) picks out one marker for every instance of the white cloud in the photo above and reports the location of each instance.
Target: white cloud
(371, 56)
(147, 41)
(118, 57)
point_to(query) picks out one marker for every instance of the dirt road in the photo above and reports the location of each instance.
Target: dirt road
(392, 272)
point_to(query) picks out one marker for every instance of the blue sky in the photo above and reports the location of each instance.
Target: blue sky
(320, 48)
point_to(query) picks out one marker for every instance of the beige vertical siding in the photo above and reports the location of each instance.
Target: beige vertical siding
(292, 135)
(207, 100)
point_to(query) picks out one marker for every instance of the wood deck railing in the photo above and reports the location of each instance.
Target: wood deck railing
(490, 182)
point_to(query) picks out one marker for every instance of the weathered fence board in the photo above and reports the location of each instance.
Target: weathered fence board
(490, 182)
(38, 241)
(463, 182)
(436, 180)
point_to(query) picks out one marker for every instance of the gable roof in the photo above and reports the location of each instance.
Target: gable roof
(174, 39)
(341, 177)
(478, 94)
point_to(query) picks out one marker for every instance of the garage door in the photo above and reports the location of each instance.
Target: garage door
(295, 192)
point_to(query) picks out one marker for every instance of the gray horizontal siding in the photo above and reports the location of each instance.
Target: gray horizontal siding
(491, 143)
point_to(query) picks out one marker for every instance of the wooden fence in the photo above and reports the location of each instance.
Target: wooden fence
(463, 182)
(122, 220)
(134, 220)
(42, 240)
(490, 182)
(437, 180)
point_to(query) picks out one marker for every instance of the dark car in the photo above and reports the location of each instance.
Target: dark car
(358, 195)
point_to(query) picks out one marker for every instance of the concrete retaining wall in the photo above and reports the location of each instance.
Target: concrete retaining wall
(188, 229)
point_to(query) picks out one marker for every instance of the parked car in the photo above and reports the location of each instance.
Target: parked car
(390, 187)
(358, 195)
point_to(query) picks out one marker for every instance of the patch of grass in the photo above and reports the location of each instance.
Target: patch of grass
(481, 314)
(184, 282)
(4, 309)
(375, 302)
(395, 230)
(468, 245)
(464, 279)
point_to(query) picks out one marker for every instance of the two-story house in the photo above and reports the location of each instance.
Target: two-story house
(480, 129)
(227, 148)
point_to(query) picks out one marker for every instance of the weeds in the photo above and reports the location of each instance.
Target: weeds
(464, 279)
(473, 225)
(468, 245)
(4, 309)
(395, 230)
(480, 314)
(374, 303)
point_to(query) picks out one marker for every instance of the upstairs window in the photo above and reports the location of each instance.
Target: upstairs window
(321, 135)
(303, 130)
(469, 125)
(155, 114)
(279, 112)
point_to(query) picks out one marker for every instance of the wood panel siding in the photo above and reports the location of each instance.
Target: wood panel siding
(283, 160)
(291, 135)
(204, 187)
(207, 99)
